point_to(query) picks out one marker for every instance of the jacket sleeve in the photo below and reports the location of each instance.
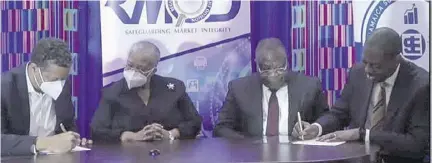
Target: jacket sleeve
(13, 145)
(320, 106)
(101, 125)
(228, 119)
(339, 115)
(191, 124)
(16, 145)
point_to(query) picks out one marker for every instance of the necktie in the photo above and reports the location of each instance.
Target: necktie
(379, 109)
(273, 115)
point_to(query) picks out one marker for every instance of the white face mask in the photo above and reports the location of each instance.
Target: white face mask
(52, 88)
(134, 79)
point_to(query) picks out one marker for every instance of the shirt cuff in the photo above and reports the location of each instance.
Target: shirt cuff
(33, 149)
(319, 128)
(367, 135)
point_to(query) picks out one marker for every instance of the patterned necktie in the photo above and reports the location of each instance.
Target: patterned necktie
(379, 109)
(273, 115)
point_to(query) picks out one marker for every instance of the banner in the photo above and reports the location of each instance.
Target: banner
(409, 18)
(204, 43)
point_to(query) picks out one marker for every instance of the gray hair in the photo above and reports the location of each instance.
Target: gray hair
(269, 48)
(146, 48)
(386, 40)
(51, 50)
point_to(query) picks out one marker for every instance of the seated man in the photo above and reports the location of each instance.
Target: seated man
(266, 103)
(384, 102)
(144, 106)
(36, 103)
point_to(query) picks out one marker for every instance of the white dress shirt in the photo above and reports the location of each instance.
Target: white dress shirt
(375, 95)
(282, 96)
(42, 113)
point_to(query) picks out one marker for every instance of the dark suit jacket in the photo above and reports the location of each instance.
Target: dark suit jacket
(241, 114)
(122, 110)
(407, 120)
(15, 112)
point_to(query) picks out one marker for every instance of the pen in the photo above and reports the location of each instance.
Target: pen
(62, 127)
(300, 124)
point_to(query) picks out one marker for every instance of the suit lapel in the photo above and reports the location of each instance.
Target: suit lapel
(24, 97)
(255, 92)
(398, 94)
(295, 99)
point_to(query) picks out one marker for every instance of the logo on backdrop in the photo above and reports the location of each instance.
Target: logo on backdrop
(189, 11)
(413, 42)
(407, 19)
(173, 13)
(192, 85)
(200, 62)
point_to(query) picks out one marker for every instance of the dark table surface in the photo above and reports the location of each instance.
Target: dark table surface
(210, 150)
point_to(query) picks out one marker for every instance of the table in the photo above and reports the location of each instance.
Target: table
(211, 150)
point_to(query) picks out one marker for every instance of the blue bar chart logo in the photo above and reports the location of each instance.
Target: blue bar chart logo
(411, 16)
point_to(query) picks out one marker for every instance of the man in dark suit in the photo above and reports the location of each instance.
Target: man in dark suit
(36, 101)
(383, 102)
(266, 103)
(143, 106)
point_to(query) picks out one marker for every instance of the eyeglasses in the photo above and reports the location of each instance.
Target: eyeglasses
(144, 72)
(276, 70)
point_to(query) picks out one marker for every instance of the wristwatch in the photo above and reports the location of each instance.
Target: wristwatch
(170, 135)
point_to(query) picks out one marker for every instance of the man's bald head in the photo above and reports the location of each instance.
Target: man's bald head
(381, 53)
(271, 50)
(385, 40)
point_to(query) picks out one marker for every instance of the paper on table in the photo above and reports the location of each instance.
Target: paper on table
(315, 142)
(76, 149)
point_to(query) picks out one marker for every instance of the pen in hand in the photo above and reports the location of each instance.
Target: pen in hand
(78, 140)
(300, 124)
(62, 127)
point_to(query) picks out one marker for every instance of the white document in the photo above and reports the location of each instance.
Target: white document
(315, 142)
(76, 149)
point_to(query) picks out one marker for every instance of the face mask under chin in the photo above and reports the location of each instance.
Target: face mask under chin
(273, 82)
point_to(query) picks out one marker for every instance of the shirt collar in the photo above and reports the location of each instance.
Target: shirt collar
(30, 88)
(392, 79)
(265, 88)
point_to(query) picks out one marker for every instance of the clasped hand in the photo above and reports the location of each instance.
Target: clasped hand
(148, 133)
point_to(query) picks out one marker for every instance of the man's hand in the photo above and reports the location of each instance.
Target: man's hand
(309, 131)
(296, 131)
(165, 134)
(59, 143)
(129, 136)
(343, 135)
(148, 133)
